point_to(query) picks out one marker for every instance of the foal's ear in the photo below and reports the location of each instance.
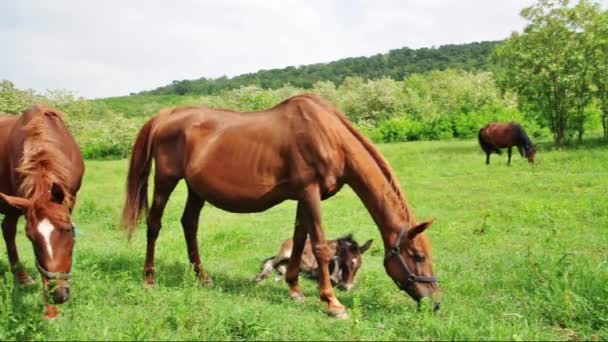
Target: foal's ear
(57, 193)
(19, 203)
(419, 228)
(365, 246)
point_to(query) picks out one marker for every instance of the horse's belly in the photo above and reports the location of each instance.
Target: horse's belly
(241, 194)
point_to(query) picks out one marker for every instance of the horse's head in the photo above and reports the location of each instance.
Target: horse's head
(530, 153)
(410, 264)
(49, 228)
(349, 258)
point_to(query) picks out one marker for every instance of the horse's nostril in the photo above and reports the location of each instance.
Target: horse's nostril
(436, 306)
(61, 295)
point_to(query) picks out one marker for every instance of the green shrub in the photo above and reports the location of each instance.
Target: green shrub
(437, 129)
(400, 129)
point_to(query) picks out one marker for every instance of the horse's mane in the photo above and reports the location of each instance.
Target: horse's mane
(522, 134)
(42, 163)
(374, 153)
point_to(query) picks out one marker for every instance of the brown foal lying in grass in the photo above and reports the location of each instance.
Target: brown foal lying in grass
(345, 262)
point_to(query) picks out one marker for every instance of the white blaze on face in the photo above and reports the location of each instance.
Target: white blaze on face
(355, 262)
(45, 228)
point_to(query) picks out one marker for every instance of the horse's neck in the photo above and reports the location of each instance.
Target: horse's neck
(388, 210)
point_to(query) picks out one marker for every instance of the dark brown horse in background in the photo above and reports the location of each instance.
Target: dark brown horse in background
(41, 170)
(346, 259)
(302, 149)
(500, 135)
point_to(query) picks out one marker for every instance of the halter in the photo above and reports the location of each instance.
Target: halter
(53, 275)
(411, 277)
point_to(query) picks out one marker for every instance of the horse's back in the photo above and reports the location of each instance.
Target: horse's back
(499, 134)
(256, 159)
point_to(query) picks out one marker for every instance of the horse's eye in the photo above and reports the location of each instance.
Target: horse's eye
(419, 258)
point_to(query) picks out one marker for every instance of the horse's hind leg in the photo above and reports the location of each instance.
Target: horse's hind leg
(163, 187)
(312, 220)
(488, 158)
(9, 229)
(509, 150)
(190, 218)
(293, 266)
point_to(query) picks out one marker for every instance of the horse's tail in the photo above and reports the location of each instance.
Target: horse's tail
(136, 199)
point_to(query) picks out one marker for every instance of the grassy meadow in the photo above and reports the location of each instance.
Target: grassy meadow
(520, 250)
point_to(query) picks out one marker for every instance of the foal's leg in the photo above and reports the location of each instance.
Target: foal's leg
(9, 230)
(190, 218)
(163, 187)
(293, 267)
(509, 155)
(312, 220)
(488, 158)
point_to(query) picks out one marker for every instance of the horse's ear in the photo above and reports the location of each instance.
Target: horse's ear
(346, 240)
(57, 193)
(419, 228)
(19, 203)
(365, 246)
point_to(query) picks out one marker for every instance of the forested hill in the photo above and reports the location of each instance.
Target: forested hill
(395, 64)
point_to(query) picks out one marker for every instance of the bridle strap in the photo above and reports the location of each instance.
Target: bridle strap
(53, 275)
(411, 277)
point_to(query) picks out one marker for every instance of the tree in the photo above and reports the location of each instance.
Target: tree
(550, 64)
(599, 30)
(13, 100)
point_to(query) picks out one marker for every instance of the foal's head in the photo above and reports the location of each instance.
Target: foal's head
(349, 258)
(50, 229)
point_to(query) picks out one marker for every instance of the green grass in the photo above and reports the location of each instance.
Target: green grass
(520, 252)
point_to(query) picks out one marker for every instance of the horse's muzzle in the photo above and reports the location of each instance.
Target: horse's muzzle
(346, 287)
(61, 294)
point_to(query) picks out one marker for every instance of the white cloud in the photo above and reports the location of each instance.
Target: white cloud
(114, 47)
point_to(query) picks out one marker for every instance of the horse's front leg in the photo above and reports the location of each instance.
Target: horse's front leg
(9, 230)
(509, 150)
(311, 218)
(293, 266)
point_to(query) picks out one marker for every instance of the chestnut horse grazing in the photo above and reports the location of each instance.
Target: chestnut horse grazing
(500, 135)
(41, 170)
(302, 149)
(343, 266)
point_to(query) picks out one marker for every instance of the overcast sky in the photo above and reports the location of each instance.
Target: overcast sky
(112, 48)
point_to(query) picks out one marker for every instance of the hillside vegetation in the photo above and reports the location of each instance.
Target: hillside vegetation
(396, 64)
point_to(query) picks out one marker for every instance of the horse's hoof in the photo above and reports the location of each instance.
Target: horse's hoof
(338, 312)
(149, 286)
(206, 282)
(25, 280)
(297, 296)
